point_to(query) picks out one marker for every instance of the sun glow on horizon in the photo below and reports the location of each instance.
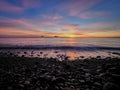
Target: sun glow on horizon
(70, 19)
(70, 35)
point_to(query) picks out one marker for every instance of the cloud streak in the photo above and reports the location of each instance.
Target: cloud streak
(92, 14)
(59, 17)
(16, 23)
(52, 17)
(7, 7)
(31, 3)
(102, 24)
(17, 9)
(75, 7)
(70, 27)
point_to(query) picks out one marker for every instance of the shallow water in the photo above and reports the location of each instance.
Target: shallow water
(60, 47)
(60, 54)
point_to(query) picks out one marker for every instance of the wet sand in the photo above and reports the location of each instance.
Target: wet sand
(24, 73)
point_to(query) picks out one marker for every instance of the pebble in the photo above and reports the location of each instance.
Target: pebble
(101, 74)
(97, 84)
(87, 89)
(110, 86)
(52, 73)
(10, 88)
(27, 82)
(99, 70)
(82, 81)
(87, 74)
(21, 85)
(37, 89)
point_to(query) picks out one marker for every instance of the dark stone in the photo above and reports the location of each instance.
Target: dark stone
(110, 86)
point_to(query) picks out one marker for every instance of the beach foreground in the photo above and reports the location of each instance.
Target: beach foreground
(23, 73)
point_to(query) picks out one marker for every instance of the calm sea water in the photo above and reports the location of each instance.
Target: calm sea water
(73, 42)
(108, 42)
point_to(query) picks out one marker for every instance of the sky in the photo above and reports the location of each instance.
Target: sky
(61, 18)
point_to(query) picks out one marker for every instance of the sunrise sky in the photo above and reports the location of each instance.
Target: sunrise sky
(62, 18)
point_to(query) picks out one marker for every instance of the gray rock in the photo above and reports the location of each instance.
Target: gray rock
(27, 82)
(97, 84)
(110, 86)
(10, 88)
(21, 85)
(101, 74)
(82, 81)
(87, 74)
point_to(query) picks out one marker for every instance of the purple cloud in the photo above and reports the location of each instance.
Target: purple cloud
(102, 24)
(16, 23)
(7, 7)
(74, 7)
(89, 15)
(52, 17)
(31, 3)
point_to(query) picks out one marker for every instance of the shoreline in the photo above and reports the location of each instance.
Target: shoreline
(42, 47)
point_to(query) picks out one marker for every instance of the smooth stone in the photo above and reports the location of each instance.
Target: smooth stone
(98, 70)
(53, 78)
(87, 89)
(110, 86)
(87, 74)
(72, 80)
(82, 81)
(82, 56)
(56, 88)
(21, 85)
(60, 79)
(88, 79)
(37, 89)
(101, 74)
(72, 87)
(98, 57)
(97, 84)
(10, 88)
(27, 82)
(86, 70)
(116, 75)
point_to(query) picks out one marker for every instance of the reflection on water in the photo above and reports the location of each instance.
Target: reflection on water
(60, 54)
(83, 43)
(110, 42)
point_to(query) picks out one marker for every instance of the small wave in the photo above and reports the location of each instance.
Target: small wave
(85, 48)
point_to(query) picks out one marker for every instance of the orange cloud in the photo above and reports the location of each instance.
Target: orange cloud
(7, 31)
(105, 34)
(15, 32)
(70, 27)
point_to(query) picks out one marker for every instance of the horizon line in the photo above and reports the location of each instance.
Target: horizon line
(53, 37)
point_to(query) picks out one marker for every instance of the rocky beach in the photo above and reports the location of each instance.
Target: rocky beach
(59, 44)
(25, 73)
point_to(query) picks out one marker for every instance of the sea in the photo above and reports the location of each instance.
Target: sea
(54, 47)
